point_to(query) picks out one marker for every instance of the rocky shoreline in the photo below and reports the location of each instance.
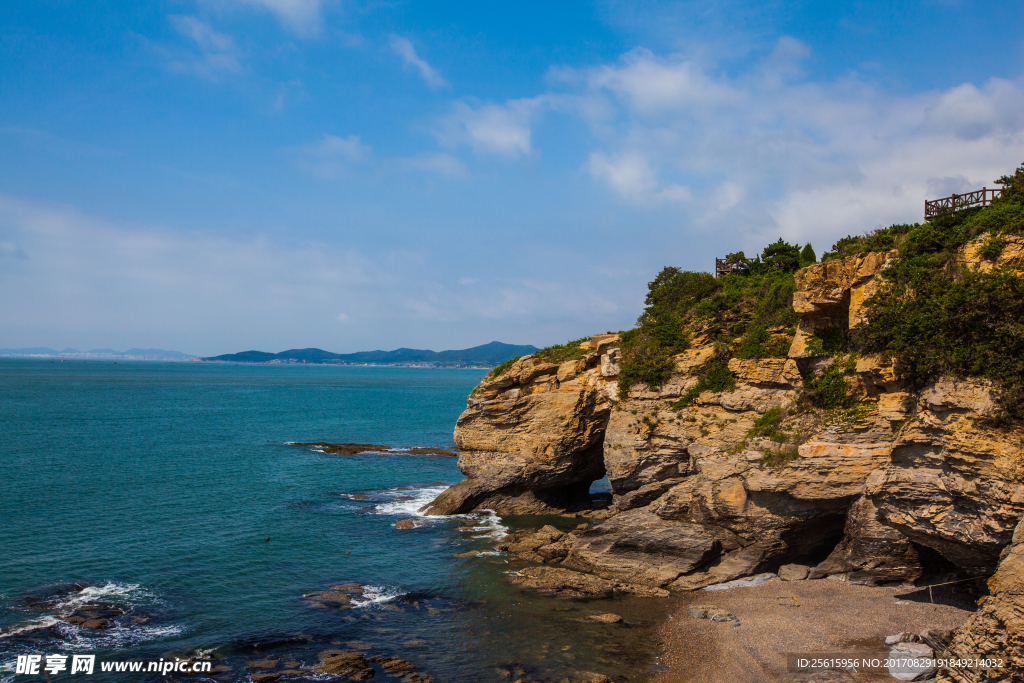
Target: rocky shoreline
(904, 488)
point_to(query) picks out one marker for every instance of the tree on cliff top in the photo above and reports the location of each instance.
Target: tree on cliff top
(807, 256)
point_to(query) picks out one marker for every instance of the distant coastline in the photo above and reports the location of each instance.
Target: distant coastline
(483, 356)
(477, 357)
(97, 354)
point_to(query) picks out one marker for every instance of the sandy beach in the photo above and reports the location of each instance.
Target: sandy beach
(790, 617)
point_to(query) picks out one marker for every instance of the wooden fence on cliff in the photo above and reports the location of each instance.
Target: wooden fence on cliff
(957, 202)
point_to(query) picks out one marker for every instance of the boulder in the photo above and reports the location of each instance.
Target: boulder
(794, 572)
(406, 524)
(902, 637)
(640, 547)
(911, 662)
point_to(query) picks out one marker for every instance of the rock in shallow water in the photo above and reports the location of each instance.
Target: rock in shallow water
(712, 613)
(608, 618)
(565, 583)
(349, 664)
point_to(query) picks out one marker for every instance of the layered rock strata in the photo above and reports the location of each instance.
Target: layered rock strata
(906, 485)
(531, 437)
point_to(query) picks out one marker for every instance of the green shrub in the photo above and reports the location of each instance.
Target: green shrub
(713, 376)
(559, 353)
(758, 343)
(992, 248)
(767, 426)
(645, 360)
(935, 318)
(882, 239)
(826, 341)
(829, 389)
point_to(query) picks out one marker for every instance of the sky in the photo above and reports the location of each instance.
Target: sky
(212, 176)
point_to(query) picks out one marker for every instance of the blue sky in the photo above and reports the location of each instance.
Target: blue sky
(218, 175)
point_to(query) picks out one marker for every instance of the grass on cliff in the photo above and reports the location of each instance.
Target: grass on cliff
(935, 317)
(748, 316)
(502, 368)
(559, 353)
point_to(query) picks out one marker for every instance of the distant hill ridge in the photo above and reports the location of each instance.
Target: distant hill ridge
(486, 354)
(130, 354)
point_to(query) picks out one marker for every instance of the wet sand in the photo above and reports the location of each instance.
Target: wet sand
(780, 617)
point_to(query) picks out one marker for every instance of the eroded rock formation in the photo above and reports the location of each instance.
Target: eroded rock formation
(531, 437)
(873, 496)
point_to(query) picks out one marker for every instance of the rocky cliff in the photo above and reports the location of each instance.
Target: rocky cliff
(882, 485)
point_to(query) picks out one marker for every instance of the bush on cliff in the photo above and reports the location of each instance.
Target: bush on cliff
(757, 308)
(559, 353)
(934, 317)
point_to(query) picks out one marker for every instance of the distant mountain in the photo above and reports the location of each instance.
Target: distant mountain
(487, 354)
(33, 351)
(102, 354)
(158, 352)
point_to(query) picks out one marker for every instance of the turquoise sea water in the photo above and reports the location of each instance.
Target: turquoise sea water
(152, 487)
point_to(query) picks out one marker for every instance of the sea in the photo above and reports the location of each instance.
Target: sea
(171, 500)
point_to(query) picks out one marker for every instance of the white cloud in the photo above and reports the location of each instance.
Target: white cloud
(649, 84)
(631, 176)
(404, 49)
(331, 154)
(11, 250)
(218, 53)
(492, 128)
(341, 318)
(440, 163)
(302, 17)
(761, 152)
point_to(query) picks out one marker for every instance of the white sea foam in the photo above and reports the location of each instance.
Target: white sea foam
(32, 625)
(75, 638)
(72, 637)
(109, 592)
(375, 595)
(410, 508)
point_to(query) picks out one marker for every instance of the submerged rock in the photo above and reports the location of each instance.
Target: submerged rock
(368, 448)
(608, 618)
(93, 617)
(349, 664)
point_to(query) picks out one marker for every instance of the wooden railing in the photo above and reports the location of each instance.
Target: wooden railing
(724, 267)
(957, 202)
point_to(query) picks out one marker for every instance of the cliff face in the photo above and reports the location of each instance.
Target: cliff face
(530, 438)
(902, 484)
